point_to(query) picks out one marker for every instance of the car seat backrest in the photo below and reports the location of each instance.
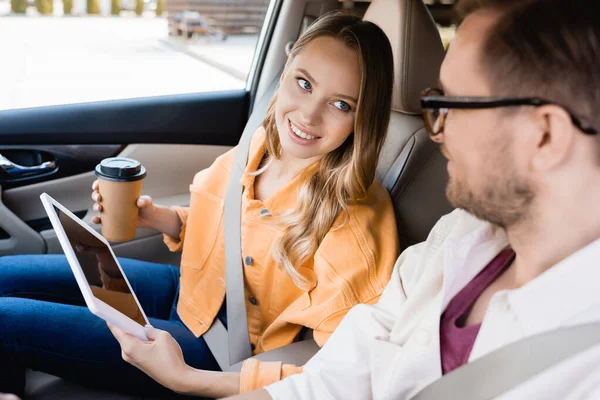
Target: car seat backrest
(411, 167)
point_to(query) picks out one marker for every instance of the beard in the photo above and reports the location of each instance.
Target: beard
(504, 199)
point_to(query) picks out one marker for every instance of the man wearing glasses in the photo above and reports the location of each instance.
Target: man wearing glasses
(517, 120)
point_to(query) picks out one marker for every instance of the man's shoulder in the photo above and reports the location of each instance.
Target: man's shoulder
(457, 225)
(422, 265)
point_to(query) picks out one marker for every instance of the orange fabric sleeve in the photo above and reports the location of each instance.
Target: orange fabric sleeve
(176, 244)
(257, 374)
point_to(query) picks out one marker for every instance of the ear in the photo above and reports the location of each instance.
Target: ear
(555, 137)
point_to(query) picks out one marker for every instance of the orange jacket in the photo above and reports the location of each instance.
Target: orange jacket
(352, 265)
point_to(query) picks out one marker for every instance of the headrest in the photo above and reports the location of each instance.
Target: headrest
(417, 47)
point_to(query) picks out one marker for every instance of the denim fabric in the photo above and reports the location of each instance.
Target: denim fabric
(45, 326)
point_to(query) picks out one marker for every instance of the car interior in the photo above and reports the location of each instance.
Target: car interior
(176, 136)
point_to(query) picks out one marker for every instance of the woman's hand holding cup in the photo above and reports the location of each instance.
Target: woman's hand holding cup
(117, 194)
(119, 185)
(146, 206)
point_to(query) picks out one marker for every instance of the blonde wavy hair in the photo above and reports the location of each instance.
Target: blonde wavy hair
(346, 173)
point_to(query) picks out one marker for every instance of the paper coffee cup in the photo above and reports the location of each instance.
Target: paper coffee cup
(120, 185)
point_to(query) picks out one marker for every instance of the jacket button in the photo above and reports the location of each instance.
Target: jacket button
(253, 301)
(264, 212)
(249, 260)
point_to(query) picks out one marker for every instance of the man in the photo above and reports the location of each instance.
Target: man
(520, 256)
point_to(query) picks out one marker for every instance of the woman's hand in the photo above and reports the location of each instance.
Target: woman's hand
(147, 209)
(161, 358)
(163, 219)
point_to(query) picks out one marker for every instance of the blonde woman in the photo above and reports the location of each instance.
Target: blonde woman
(318, 237)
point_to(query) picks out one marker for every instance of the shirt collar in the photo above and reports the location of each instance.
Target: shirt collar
(547, 302)
(560, 293)
(466, 256)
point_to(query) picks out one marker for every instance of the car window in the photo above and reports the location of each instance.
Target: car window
(444, 15)
(71, 51)
(447, 34)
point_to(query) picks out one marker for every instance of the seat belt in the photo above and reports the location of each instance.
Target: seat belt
(232, 345)
(499, 371)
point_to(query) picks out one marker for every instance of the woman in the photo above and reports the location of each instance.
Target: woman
(318, 237)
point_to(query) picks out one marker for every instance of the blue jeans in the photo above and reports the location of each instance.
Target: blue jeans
(45, 326)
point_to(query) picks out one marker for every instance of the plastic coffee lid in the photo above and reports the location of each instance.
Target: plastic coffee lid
(119, 169)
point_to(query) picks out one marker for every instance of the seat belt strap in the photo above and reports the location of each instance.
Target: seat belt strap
(503, 369)
(232, 345)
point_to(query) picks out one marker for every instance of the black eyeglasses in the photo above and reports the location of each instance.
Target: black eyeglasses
(436, 106)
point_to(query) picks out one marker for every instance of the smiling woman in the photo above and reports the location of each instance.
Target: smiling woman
(318, 237)
(316, 116)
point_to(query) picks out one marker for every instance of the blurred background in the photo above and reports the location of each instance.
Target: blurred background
(56, 52)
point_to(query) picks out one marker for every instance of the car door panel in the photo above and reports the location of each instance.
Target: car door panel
(77, 137)
(18, 237)
(215, 118)
(69, 160)
(171, 169)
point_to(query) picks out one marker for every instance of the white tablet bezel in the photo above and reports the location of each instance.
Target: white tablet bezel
(96, 306)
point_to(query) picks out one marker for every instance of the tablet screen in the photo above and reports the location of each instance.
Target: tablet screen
(100, 268)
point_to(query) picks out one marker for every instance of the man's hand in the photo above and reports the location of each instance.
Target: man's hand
(161, 358)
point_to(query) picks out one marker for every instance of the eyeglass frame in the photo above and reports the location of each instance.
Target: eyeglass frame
(445, 103)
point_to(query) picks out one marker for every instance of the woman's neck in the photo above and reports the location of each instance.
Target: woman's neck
(288, 167)
(278, 174)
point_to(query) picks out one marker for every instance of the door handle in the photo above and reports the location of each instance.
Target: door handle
(18, 171)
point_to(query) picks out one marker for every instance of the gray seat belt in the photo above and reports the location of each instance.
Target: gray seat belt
(232, 345)
(498, 372)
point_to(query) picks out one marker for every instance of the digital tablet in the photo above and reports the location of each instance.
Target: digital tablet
(104, 286)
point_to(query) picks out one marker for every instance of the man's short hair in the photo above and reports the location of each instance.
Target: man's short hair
(544, 48)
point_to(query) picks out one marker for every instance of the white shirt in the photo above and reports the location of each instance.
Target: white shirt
(392, 350)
